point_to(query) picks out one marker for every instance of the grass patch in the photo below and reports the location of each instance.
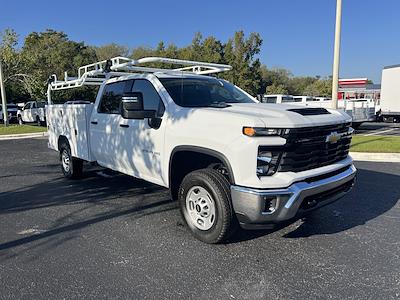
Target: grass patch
(17, 129)
(382, 144)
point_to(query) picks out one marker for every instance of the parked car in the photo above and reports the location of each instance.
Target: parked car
(11, 111)
(33, 112)
(279, 98)
(228, 159)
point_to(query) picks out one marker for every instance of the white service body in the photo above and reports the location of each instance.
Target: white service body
(390, 92)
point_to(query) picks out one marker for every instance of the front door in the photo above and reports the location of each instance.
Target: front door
(126, 145)
(142, 145)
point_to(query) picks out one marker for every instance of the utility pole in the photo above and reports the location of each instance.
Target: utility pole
(3, 96)
(336, 55)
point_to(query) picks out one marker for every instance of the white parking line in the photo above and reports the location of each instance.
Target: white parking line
(380, 132)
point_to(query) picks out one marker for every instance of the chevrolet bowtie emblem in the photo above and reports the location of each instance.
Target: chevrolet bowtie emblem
(334, 137)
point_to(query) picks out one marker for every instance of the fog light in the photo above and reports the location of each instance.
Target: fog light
(270, 204)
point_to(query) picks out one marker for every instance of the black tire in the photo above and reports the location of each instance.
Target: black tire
(75, 165)
(218, 187)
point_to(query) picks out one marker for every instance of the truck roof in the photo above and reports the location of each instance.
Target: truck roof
(392, 66)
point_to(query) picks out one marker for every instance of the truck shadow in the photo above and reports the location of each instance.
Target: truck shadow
(374, 194)
(101, 197)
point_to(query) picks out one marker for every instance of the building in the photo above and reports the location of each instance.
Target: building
(359, 88)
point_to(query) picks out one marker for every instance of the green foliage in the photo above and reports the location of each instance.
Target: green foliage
(111, 50)
(282, 81)
(12, 65)
(18, 129)
(51, 52)
(241, 53)
(276, 89)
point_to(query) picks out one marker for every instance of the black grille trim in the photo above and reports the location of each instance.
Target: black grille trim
(313, 200)
(306, 148)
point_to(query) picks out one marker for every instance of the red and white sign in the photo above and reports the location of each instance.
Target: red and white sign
(353, 81)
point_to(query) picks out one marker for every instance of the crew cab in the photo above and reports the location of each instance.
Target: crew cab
(227, 159)
(32, 112)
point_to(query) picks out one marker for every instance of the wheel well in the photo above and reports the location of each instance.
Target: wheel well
(185, 161)
(61, 139)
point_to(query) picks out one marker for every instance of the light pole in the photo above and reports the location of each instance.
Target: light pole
(336, 55)
(3, 97)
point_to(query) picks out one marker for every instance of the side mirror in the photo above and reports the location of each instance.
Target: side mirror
(132, 107)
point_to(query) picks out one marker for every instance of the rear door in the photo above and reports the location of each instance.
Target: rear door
(33, 112)
(104, 125)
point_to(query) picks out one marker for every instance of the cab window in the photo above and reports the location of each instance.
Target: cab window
(151, 98)
(112, 95)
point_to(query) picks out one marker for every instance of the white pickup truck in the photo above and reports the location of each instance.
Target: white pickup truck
(228, 159)
(32, 112)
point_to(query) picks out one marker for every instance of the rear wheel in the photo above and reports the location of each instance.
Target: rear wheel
(206, 207)
(71, 167)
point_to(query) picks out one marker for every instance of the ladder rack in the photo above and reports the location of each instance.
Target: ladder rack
(97, 73)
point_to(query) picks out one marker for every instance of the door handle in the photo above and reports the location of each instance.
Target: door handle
(124, 125)
(94, 122)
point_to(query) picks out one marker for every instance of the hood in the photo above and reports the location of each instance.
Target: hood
(281, 116)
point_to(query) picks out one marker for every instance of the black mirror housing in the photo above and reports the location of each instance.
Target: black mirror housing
(132, 107)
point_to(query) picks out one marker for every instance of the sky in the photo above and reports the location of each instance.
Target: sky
(297, 34)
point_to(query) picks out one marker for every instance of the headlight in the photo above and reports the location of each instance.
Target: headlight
(267, 161)
(260, 131)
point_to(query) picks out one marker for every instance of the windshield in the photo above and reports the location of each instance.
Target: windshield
(200, 92)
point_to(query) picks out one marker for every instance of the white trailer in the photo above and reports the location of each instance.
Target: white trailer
(390, 94)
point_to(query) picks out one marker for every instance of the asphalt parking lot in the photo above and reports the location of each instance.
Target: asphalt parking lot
(379, 128)
(112, 236)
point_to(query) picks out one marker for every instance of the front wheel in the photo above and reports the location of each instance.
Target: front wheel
(71, 167)
(206, 206)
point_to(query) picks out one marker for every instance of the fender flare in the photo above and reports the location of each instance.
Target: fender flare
(202, 150)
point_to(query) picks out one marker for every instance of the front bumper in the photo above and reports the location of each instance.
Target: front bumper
(253, 209)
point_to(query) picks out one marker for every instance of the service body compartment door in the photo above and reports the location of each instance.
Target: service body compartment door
(71, 121)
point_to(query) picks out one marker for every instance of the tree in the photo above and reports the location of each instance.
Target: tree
(111, 50)
(275, 77)
(298, 85)
(321, 87)
(276, 89)
(51, 52)
(14, 77)
(241, 53)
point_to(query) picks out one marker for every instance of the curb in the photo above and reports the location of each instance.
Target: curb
(376, 157)
(22, 136)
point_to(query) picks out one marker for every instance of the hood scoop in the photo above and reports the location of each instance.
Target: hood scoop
(310, 111)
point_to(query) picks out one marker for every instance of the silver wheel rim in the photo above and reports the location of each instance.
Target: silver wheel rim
(65, 161)
(200, 208)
